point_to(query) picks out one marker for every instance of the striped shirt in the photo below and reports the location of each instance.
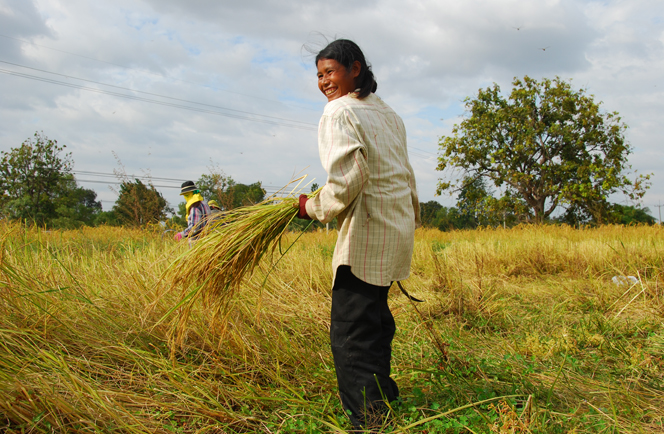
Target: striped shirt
(370, 188)
(196, 219)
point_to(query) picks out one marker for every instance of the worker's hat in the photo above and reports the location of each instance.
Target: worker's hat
(213, 204)
(188, 187)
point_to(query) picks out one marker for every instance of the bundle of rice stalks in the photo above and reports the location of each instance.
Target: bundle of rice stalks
(231, 246)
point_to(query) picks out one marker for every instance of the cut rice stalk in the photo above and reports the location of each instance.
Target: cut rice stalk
(230, 248)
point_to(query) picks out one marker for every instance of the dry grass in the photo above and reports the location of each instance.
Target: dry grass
(230, 248)
(530, 312)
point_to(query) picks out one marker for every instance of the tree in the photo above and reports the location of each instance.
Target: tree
(627, 214)
(428, 212)
(546, 146)
(218, 186)
(228, 194)
(139, 204)
(435, 215)
(477, 205)
(37, 186)
(76, 206)
(247, 194)
(448, 219)
(30, 178)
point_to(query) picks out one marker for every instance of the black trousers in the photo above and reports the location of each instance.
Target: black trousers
(361, 333)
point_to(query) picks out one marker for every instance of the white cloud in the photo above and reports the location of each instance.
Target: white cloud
(248, 56)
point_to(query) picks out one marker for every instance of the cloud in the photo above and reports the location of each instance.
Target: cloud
(21, 19)
(248, 56)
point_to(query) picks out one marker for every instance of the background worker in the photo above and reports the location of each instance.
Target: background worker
(214, 206)
(371, 190)
(197, 211)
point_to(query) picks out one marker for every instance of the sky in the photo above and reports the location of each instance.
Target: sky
(172, 89)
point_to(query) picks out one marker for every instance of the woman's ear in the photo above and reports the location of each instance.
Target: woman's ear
(355, 69)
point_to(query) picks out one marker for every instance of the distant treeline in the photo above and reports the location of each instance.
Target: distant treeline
(38, 187)
(435, 215)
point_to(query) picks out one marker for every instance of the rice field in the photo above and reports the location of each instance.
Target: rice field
(542, 331)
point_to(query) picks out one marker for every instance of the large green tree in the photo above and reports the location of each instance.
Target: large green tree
(37, 186)
(30, 179)
(545, 146)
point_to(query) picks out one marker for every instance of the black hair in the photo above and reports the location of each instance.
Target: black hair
(346, 52)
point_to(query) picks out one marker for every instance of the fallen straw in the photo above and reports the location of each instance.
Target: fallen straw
(232, 245)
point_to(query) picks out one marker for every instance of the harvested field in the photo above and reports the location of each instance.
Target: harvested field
(540, 337)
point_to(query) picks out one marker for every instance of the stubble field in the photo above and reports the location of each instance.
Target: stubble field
(538, 336)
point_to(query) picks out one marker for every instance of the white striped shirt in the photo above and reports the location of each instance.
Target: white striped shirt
(370, 188)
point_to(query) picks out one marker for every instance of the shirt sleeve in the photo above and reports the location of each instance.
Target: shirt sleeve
(344, 159)
(413, 196)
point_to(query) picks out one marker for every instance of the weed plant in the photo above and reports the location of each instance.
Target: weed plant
(539, 338)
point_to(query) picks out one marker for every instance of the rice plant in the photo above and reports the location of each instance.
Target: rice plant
(541, 339)
(231, 246)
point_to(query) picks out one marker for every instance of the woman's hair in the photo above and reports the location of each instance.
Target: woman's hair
(346, 52)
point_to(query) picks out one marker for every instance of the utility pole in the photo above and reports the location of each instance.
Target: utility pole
(659, 208)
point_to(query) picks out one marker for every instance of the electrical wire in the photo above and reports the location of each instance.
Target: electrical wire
(268, 190)
(302, 126)
(156, 94)
(422, 150)
(103, 174)
(147, 177)
(276, 120)
(153, 73)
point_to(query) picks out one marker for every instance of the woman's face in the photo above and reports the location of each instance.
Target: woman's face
(334, 80)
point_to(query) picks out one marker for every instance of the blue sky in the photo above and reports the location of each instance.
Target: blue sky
(427, 55)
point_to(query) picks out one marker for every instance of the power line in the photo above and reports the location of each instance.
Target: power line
(422, 150)
(266, 189)
(120, 183)
(417, 154)
(151, 72)
(132, 97)
(103, 174)
(277, 121)
(194, 109)
(156, 94)
(148, 177)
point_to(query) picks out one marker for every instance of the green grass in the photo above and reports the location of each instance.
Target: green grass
(539, 339)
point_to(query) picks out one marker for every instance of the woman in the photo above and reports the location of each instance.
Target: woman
(197, 212)
(371, 190)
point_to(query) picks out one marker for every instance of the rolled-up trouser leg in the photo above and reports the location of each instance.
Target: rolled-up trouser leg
(361, 333)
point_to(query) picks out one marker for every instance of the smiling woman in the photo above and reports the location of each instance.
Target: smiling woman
(371, 191)
(334, 80)
(342, 69)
